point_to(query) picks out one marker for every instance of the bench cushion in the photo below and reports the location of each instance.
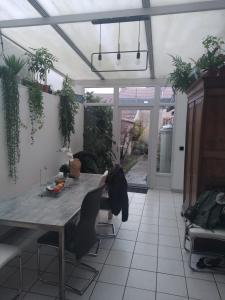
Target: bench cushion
(207, 234)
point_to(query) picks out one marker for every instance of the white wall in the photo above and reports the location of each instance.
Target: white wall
(179, 140)
(44, 150)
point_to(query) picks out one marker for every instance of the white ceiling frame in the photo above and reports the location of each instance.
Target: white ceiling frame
(36, 5)
(148, 33)
(141, 82)
(88, 17)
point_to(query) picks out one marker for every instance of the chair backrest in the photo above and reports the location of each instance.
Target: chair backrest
(103, 178)
(84, 235)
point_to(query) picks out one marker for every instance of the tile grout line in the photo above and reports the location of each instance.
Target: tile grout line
(133, 250)
(216, 283)
(157, 262)
(37, 280)
(181, 252)
(89, 298)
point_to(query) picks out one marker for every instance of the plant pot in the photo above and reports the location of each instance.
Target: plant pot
(45, 88)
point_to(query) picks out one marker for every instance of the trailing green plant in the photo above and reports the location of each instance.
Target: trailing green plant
(36, 107)
(8, 74)
(186, 73)
(98, 137)
(68, 108)
(40, 62)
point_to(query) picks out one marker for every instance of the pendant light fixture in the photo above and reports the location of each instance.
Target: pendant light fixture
(138, 56)
(100, 46)
(118, 55)
(117, 61)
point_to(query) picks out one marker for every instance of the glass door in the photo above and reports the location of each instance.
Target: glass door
(134, 145)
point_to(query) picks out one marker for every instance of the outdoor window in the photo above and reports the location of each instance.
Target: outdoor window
(165, 135)
(101, 95)
(136, 95)
(166, 95)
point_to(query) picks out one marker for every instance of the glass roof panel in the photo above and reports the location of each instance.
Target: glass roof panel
(55, 7)
(14, 9)
(45, 36)
(182, 35)
(172, 2)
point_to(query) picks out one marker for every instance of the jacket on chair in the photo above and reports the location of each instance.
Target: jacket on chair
(117, 191)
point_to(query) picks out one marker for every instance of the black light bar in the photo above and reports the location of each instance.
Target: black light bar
(120, 19)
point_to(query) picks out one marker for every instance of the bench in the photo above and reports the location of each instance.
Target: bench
(204, 241)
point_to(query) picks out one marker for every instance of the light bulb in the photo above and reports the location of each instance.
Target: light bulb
(118, 59)
(138, 58)
(99, 62)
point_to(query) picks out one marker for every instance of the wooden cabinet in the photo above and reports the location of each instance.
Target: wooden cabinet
(205, 138)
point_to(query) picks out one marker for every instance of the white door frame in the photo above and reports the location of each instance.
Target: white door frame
(153, 132)
(154, 106)
(149, 108)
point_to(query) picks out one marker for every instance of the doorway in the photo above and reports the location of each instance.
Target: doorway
(134, 145)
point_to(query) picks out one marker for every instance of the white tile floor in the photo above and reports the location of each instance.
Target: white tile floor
(146, 261)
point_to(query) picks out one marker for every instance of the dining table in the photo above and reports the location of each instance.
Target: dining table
(37, 209)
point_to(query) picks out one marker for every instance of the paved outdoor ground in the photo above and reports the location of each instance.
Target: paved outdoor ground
(138, 173)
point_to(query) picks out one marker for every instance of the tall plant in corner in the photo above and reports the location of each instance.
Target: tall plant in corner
(8, 74)
(68, 107)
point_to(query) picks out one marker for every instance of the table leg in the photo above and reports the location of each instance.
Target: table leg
(61, 266)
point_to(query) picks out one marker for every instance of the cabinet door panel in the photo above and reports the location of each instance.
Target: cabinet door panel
(188, 155)
(196, 149)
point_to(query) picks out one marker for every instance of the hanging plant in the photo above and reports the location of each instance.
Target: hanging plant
(68, 107)
(36, 107)
(8, 74)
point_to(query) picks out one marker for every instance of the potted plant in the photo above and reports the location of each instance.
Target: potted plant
(68, 107)
(209, 64)
(39, 64)
(9, 75)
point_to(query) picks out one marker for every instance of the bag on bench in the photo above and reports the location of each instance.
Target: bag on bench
(208, 210)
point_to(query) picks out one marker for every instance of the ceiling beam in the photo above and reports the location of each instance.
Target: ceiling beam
(64, 36)
(122, 82)
(88, 17)
(148, 31)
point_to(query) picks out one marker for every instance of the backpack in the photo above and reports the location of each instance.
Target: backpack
(207, 211)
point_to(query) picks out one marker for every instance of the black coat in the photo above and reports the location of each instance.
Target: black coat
(117, 191)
